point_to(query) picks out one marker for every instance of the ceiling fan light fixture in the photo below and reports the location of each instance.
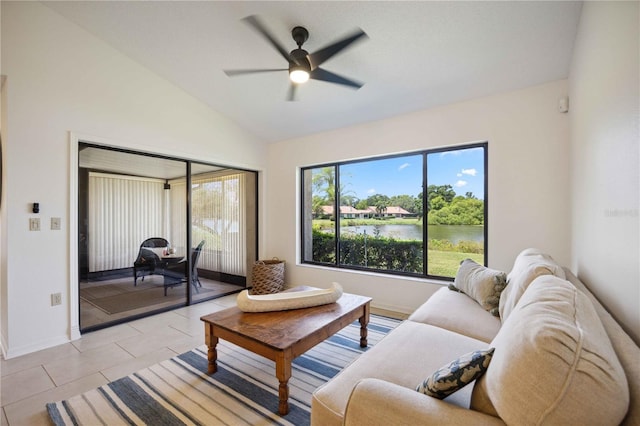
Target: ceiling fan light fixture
(299, 75)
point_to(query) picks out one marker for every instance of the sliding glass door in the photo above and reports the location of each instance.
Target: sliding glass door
(157, 233)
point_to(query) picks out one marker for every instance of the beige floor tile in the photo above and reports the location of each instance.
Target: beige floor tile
(196, 311)
(96, 339)
(32, 411)
(24, 384)
(129, 367)
(185, 345)
(227, 301)
(86, 363)
(153, 323)
(187, 325)
(191, 326)
(34, 359)
(152, 341)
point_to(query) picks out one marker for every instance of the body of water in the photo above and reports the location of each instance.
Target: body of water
(453, 233)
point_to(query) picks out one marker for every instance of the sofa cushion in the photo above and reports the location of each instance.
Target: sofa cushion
(627, 350)
(553, 362)
(529, 264)
(482, 284)
(459, 313)
(405, 356)
(457, 374)
(376, 402)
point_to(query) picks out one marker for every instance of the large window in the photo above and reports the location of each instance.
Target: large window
(375, 214)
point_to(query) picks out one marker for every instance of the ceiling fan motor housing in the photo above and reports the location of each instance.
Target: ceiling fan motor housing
(299, 60)
(300, 35)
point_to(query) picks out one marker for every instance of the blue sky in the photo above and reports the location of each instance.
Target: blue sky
(462, 169)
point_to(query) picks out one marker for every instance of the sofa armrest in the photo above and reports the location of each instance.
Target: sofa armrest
(378, 402)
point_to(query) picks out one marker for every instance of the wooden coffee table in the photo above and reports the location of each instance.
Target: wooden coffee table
(282, 336)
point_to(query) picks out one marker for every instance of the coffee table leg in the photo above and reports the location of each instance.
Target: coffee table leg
(212, 353)
(364, 320)
(283, 373)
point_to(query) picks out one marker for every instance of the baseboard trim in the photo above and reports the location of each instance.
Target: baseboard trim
(9, 353)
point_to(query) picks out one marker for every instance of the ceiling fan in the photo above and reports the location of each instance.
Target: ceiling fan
(302, 64)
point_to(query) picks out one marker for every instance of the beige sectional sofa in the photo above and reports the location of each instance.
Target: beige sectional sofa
(559, 358)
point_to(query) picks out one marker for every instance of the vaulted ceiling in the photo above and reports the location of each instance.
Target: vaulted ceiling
(418, 54)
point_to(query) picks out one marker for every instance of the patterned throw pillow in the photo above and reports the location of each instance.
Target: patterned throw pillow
(457, 374)
(482, 284)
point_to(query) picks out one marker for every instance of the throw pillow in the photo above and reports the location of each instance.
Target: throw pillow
(456, 375)
(482, 284)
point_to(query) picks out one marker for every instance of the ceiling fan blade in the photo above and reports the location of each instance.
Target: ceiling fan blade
(233, 73)
(324, 75)
(257, 25)
(317, 58)
(291, 94)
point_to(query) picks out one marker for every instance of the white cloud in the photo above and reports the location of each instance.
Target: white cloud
(460, 183)
(404, 166)
(371, 191)
(459, 174)
(470, 172)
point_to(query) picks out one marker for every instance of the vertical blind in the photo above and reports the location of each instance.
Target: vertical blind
(123, 212)
(218, 216)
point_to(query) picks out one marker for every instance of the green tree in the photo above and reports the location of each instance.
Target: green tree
(461, 211)
(323, 181)
(407, 202)
(418, 207)
(446, 192)
(317, 203)
(324, 184)
(437, 203)
(362, 205)
(348, 199)
(380, 202)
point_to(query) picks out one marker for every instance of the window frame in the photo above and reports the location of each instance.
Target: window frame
(336, 203)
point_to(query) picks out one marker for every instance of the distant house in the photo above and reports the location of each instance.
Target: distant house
(348, 212)
(392, 211)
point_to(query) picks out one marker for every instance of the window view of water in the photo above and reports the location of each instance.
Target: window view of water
(453, 233)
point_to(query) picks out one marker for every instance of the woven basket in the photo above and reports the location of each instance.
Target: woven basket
(268, 276)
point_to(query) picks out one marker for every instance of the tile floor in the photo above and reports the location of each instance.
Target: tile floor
(30, 381)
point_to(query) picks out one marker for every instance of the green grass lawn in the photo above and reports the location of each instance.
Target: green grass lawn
(329, 224)
(446, 263)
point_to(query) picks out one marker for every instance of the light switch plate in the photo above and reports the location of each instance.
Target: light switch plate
(34, 224)
(56, 299)
(55, 223)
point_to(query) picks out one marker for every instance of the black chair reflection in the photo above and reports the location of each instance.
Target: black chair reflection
(148, 260)
(175, 274)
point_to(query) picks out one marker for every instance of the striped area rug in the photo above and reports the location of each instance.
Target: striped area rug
(244, 390)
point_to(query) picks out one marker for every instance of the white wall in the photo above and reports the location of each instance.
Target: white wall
(61, 79)
(605, 159)
(528, 182)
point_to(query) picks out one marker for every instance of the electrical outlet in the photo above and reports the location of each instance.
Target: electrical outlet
(56, 299)
(55, 223)
(34, 224)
